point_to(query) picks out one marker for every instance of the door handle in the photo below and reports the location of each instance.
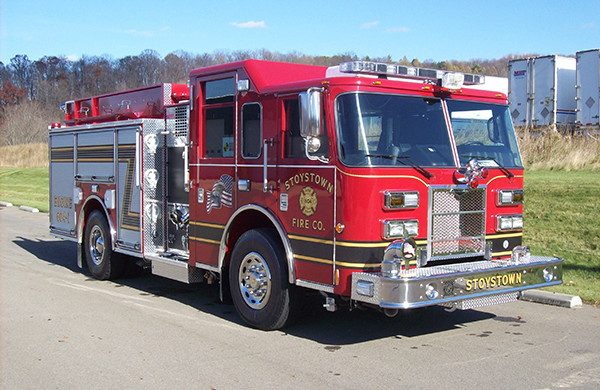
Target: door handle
(266, 144)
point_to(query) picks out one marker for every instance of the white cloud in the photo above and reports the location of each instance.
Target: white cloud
(398, 29)
(250, 24)
(589, 26)
(369, 25)
(73, 57)
(142, 33)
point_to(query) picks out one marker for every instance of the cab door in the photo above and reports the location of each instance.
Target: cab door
(306, 200)
(212, 197)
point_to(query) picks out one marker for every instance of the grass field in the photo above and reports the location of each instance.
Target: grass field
(25, 186)
(562, 218)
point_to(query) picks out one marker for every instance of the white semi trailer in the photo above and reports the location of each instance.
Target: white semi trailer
(541, 91)
(588, 88)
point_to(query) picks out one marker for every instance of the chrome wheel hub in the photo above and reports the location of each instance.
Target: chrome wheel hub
(255, 280)
(96, 247)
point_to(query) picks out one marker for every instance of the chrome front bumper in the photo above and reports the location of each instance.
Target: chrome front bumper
(463, 286)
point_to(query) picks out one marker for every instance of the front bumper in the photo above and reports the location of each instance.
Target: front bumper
(463, 286)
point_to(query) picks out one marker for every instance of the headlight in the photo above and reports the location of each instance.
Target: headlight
(400, 229)
(509, 223)
(400, 200)
(510, 197)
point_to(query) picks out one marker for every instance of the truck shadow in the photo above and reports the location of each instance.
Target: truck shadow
(313, 322)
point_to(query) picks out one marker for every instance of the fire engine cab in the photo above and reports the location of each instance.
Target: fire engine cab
(378, 185)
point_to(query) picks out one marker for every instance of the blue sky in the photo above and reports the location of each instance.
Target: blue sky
(436, 30)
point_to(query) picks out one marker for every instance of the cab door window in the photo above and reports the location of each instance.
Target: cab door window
(218, 132)
(293, 142)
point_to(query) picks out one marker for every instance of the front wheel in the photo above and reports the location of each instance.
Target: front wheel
(102, 262)
(258, 281)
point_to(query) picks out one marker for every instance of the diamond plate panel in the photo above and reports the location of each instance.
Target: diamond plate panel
(154, 186)
(475, 303)
(457, 222)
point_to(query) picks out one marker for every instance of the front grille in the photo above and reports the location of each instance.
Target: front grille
(456, 222)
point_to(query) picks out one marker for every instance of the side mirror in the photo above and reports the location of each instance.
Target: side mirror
(310, 113)
(311, 128)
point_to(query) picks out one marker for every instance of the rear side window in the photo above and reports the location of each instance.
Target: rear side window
(251, 130)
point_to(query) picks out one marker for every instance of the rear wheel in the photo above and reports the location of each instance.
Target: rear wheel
(258, 281)
(102, 262)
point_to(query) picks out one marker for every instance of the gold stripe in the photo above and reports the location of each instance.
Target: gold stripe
(94, 160)
(501, 253)
(501, 176)
(349, 244)
(314, 259)
(509, 235)
(62, 160)
(344, 264)
(310, 239)
(204, 240)
(136, 228)
(95, 147)
(62, 149)
(382, 176)
(363, 265)
(205, 224)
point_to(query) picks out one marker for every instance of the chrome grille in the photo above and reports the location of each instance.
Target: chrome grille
(182, 114)
(178, 125)
(456, 222)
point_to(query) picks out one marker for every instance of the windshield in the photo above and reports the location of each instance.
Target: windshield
(390, 130)
(484, 131)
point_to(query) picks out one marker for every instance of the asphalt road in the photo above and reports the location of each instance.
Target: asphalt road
(61, 329)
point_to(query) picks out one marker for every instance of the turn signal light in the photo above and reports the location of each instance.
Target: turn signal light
(400, 200)
(510, 197)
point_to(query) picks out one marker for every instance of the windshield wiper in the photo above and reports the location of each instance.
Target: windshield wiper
(417, 167)
(508, 173)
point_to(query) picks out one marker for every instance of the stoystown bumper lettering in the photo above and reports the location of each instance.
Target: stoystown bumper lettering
(510, 279)
(483, 282)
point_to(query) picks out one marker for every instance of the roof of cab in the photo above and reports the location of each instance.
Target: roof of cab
(266, 74)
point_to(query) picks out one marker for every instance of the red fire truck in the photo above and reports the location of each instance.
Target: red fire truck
(378, 185)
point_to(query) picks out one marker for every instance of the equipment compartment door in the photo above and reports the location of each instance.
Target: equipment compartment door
(62, 183)
(128, 194)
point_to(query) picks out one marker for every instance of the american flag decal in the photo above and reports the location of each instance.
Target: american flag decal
(221, 194)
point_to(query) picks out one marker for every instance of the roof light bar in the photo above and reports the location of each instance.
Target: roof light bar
(446, 79)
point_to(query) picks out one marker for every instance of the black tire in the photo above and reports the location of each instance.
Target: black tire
(102, 262)
(258, 280)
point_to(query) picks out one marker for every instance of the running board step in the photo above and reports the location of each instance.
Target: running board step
(176, 270)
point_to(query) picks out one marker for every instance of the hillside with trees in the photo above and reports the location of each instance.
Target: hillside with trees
(32, 90)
